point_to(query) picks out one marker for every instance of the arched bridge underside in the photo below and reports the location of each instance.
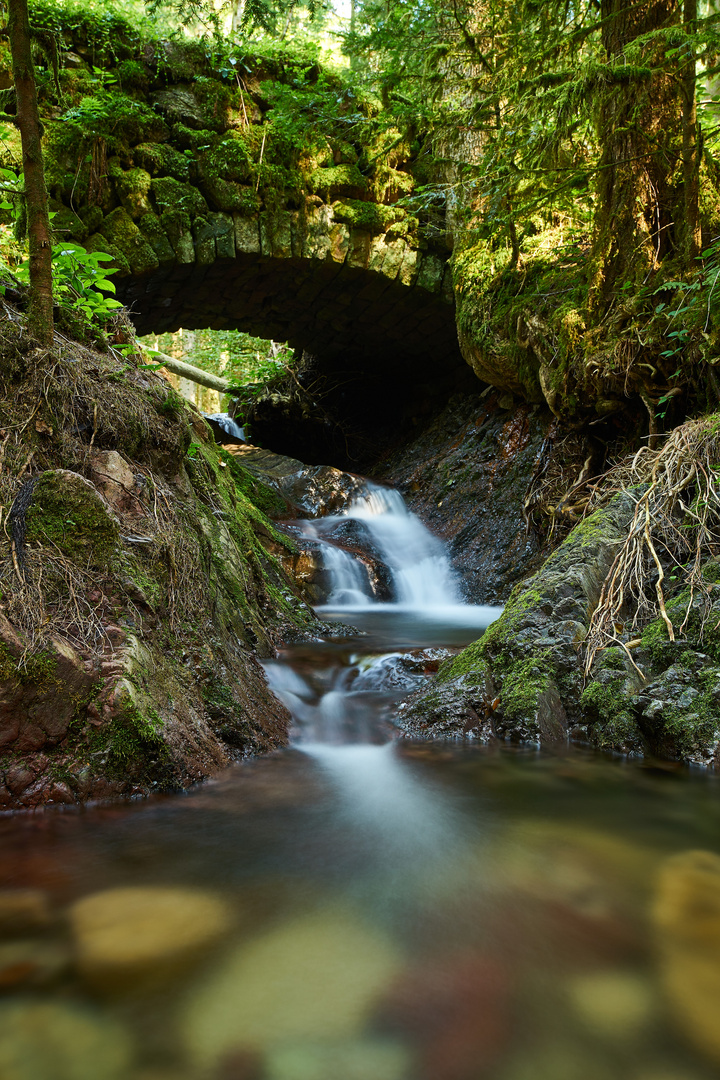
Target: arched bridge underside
(338, 293)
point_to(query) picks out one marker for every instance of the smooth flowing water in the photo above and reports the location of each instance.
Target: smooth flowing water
(358, 908)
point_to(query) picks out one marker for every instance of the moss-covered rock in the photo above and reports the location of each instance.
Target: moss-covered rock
(528, 659)
(68, 513)
(161, 159)
(121, 625)
(133, 188)
(121, 231)
(339, 181)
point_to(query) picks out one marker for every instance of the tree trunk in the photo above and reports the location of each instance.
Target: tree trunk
(28, 121)
(691, 145)
(639, 214)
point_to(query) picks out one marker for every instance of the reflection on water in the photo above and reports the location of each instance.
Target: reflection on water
(411, 913)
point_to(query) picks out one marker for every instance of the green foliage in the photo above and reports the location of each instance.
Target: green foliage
(247, 362)
(80, 279)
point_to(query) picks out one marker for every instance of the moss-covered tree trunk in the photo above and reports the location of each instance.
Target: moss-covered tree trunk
(691, 143)
(28, 120)
(640, 212)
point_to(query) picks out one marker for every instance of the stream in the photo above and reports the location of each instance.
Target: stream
(360, 907)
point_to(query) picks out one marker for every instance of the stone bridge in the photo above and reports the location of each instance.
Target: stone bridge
(309, 279)
(217, 218)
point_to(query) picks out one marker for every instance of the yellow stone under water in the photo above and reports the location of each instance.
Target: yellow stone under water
(316, 978)
(614, 1005)
(127, 936)
(687, 918)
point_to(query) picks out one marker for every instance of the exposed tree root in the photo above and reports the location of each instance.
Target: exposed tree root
(674, 531)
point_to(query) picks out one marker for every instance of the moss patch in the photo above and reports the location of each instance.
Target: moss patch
(67, 513)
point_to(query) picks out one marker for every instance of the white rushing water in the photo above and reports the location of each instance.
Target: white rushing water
(342, 703)
(419, 569)
(342, 707)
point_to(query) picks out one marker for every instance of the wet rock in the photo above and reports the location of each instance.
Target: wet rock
(390, 673)
(461, 709)
(527, 676)
(679, 710)
(23, 911)
(687, 918)
(466, 476)
(314, 490)
(43, 1041)
(131, 936)
(315, 978)
(362, 1060)
(355, 537)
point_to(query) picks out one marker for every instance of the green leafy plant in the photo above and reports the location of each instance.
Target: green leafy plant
(80, 279)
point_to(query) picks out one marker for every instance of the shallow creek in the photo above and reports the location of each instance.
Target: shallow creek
(357, 908)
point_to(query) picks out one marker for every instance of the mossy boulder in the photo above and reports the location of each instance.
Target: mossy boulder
(161, 159)
(168, 194)
(122, 232)
(133, 188)
(339, 181)
(68, 514)
(528, 660)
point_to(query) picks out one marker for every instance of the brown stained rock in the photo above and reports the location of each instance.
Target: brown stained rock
(457, 1009)
(117, 481)
(59, 792)
(23, 911)
(38, 700)
(18, 779)
(315, 490)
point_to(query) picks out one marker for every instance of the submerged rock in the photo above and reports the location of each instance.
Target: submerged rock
(687, 919)
(128, 937)
(361, 1060)
(616, 1005)
(44, 1041)
(315, 978)
(23, 911)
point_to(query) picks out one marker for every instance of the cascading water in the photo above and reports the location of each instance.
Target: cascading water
(419, 568)
(349, 702)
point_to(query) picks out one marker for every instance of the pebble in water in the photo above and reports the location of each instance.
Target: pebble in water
(315, 978)
(129, 936)
(45, 1041)
(687, 918)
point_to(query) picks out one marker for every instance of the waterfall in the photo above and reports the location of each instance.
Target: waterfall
(350, 702)
(419, 567)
